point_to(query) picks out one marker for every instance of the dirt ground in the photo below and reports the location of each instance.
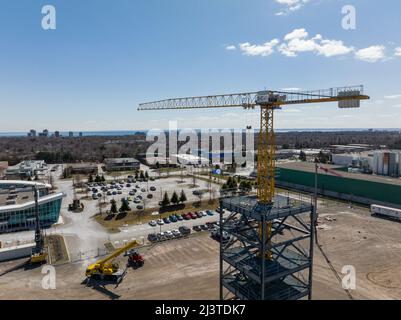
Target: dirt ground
(188, 268)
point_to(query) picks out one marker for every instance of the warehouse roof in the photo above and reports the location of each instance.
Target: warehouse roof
(310, 167)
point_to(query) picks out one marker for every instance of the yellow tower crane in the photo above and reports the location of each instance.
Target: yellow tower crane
(268, 101)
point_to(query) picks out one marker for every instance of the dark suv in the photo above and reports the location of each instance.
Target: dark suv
(184, 230)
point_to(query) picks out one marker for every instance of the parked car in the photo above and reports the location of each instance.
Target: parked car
(136, 200)
(204, 214)
(139, 207)
(186, 216)
(94, 196)
(209, 212)
(210, 225)
(109, 193)
(152, 237)
(143, 190)
(204, 227)
(192, 215)
(216, 235)
(172, 218)
(152, 188)
(161, 236)
(119, 192)
(131, 193)
(218, 210)
(149, 196)
(179, 217)
(169, 234)
(128, 185)
(166, 220)
(160, 222)
(197, 228)
(184, 230)
(198, 214)
(176, 233)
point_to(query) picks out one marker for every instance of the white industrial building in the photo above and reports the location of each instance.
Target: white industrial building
(380, 162)
(363, 161)
(26, 169)
(387, 163)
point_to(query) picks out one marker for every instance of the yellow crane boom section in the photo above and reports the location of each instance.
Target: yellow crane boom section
(118, 252)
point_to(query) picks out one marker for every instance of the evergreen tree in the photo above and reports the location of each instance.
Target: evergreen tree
(124, 205)
(174, 198)
(103, 179)
(166, 200)
(113, 208)
(183, 197)
(90, 178)
(146, 175)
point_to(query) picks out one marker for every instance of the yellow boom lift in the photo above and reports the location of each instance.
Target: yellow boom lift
(105, 269)
(268, 101)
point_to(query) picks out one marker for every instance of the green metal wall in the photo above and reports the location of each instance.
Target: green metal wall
(361, 188)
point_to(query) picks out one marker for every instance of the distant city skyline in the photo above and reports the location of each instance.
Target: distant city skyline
(104, 58)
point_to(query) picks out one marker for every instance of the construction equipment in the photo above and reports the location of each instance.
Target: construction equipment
(38, 255)
(105, 269)
(76, 206)
(268, 101)
(135, 260)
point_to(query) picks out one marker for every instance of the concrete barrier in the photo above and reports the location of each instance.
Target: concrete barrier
(16, 252)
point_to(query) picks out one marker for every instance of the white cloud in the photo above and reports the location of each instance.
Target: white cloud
(290, 6)
(291, 111)
(296, 34)
(297, 41)
(393, 96)
(397, 52)
(263, 50)
(290, 89)
(231, 47)
(331, 48)
(371, 54)
(397, 106)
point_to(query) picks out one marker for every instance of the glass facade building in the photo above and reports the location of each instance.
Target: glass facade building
(21, 216)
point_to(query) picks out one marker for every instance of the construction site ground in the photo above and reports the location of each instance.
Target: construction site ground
(189, 268)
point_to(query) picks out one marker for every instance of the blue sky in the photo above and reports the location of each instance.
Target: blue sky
(107, 56)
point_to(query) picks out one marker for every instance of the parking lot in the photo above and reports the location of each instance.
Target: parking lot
(148, 194)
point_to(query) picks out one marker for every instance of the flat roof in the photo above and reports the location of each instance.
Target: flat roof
(310, 167)
(29, 202)
(82, 165)
(22, 183)
(120, 160)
